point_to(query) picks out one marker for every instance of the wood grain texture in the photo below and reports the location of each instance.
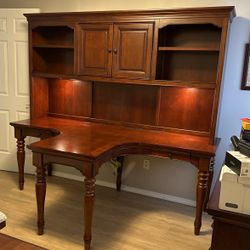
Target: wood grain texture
(125, 103)
(122, 220)
(78, 143)
(96, 141)
(186, 108)
(39, 97)
(70, 97)
(119, 45)
(132, 50)
(11, 243)
(220, 12)
(198, 66)
(95, 48)
(182, 47)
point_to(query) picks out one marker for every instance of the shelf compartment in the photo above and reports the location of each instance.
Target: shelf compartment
(133, 104)
(53, 35)
(187, 66)
(53, 60)
(186, 108)
(69, 98)
(190, 35)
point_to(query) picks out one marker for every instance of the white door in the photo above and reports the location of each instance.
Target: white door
(14, 82)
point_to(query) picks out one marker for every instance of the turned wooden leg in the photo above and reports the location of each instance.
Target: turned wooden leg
(88, 210)
(40, 191)
(119, 173)
(21, 160)
(201, 192)
(48, 165)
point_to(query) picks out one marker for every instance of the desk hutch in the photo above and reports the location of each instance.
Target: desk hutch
(109, 84)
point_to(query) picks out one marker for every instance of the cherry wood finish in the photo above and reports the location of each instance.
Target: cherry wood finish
(132, 50)
(109, 84)
(230, 230)
(178, 108)
(107, 49)
(95, 49)
(70, 97)
(86, 145)
(182, 48)
(7, 242)
(132, 104)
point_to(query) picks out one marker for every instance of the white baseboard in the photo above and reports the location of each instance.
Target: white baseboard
(131, 189)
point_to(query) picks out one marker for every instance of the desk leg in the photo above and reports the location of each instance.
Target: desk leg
(21, 160)
(201, 192)
(49, 169)
(40, 191)
(119, 173)
(49, 165)
(88, 210)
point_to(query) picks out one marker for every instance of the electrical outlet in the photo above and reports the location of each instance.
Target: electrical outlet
(146, 164)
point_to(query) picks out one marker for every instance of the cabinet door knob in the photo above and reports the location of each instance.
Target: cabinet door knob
(115, 51)
(109, 50)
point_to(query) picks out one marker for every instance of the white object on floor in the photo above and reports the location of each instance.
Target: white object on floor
(3, 217)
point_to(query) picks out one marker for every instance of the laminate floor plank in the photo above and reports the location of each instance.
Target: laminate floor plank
(10, 243)
(122, 220)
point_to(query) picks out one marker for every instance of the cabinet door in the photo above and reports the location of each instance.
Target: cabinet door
(95, 49)
(132, 50)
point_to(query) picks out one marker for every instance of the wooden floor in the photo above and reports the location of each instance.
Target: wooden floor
(122, 221)
(11, 243)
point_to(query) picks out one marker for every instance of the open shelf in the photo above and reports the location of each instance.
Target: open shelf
(190, 35)
(53, 36)
(53, 61)
(53, 50)
(197, 66)
(188, 53)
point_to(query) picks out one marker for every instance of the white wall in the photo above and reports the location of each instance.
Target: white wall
(235, 103)
(174, 178)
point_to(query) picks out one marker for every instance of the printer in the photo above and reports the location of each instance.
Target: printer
(235, 174)
(235, 183)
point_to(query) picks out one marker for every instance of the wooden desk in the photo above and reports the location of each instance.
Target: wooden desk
(123, 82)
(86, 145)
(230, 230)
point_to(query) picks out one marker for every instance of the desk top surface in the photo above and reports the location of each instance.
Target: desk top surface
(93, 140)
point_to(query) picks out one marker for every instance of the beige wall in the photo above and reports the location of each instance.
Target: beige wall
(168, 177)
